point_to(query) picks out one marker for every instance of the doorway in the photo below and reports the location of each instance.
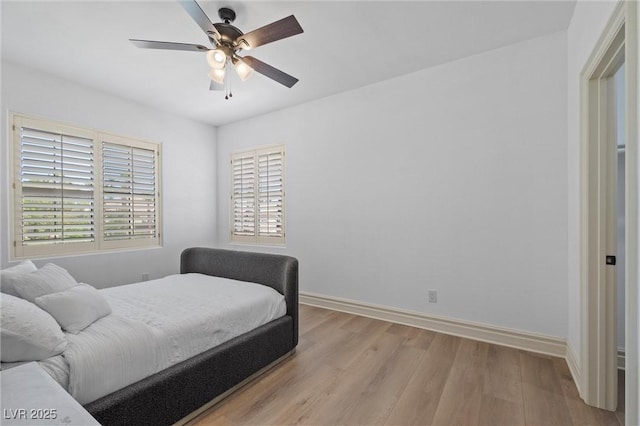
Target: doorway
(599, 354)
(599, 165)
(618, 94)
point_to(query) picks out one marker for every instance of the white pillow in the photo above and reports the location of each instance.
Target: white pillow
(75, 308)
(48, 279)
(27, 332)
(9, 276)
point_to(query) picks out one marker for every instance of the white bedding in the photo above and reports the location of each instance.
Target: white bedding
(156, 324)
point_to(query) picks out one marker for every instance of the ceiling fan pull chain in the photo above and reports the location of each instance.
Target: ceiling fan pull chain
(227, 82)
(229, 94)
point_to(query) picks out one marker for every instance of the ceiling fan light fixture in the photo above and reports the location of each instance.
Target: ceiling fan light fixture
(216, 58)
(227, 41)
(244, 71)
(217, 75)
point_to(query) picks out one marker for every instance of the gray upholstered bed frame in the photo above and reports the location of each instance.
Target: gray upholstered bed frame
(171, 394)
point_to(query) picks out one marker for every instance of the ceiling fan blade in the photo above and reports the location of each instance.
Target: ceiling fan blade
(150, 44)
(197, 14)
(274, 31)
(269, 71)
(216, 86)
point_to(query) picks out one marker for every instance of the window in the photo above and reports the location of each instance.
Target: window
(257, 196)
(128, 191)
(80, 191)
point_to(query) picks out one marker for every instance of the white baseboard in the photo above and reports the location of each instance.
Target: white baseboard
(486, 333)
(574, 367)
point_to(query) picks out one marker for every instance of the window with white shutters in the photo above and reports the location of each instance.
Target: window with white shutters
(56, 176)
(79, 191)
(129, 192)
(270, 194)
(257, 196)
(244, 196)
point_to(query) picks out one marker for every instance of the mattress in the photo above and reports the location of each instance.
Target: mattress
(156, 324)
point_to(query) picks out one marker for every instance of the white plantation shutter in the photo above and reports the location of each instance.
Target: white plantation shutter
(75, 195)
(56, 188)
(270, 194)
(129, 192)
(257, 196)
(244, 196)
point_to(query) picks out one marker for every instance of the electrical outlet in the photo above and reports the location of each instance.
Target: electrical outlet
(145, 276)
(433, 296)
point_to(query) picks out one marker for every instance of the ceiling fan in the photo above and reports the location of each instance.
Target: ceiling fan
(227, 42)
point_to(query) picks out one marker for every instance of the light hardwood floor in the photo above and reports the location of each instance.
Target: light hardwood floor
(360, 371)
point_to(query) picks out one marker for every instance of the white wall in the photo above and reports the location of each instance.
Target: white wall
(452, 178)
(587, 23)
(188, 170)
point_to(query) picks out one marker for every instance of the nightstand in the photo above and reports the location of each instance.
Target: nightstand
(31, 397)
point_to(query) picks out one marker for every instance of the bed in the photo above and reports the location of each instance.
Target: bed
(172, 356)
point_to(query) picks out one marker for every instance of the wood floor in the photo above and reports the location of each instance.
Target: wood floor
(359, 371)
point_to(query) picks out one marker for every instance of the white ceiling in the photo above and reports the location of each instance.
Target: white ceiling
(345, 45)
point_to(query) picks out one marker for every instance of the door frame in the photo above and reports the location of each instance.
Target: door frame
(598, 354)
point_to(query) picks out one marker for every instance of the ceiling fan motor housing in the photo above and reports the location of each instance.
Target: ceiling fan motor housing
(228, 35)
